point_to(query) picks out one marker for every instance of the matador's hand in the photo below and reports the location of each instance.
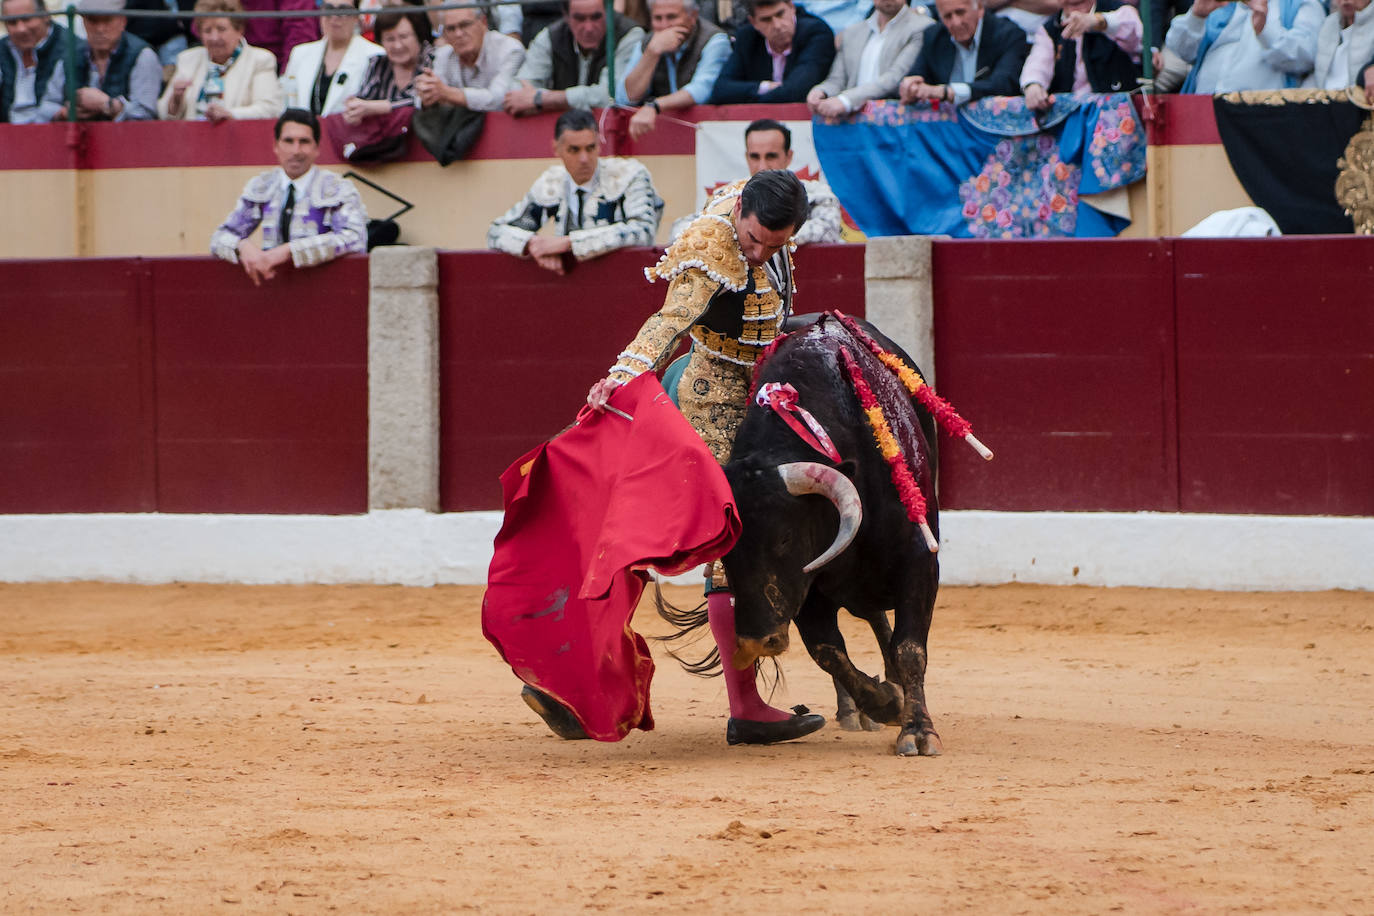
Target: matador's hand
(601, 393)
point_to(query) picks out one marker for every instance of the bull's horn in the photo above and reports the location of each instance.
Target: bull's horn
(803, 477)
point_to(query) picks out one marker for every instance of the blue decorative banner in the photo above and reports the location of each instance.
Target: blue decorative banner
(991, 169)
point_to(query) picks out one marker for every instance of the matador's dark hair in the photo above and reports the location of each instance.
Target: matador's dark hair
(297, 116)
(573, 119)
(776, 198)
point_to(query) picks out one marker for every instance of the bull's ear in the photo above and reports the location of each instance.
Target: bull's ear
(849, 468)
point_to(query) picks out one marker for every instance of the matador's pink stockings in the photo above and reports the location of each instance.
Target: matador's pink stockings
(740, 686)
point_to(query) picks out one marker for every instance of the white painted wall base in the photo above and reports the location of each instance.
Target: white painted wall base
(413, 547)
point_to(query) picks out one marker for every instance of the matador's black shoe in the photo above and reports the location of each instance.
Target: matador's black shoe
(747, 731)
(556, 716)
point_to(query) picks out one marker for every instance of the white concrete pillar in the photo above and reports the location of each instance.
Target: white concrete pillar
(403, 379)
(898, 295)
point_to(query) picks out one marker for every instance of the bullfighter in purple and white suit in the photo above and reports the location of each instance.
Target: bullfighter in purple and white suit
(308, 216)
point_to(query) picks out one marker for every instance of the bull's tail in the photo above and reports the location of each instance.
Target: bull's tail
(688, 624)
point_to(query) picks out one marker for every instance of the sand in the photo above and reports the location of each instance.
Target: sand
(205, 749)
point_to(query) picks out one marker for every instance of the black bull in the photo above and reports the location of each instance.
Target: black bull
(887, 565)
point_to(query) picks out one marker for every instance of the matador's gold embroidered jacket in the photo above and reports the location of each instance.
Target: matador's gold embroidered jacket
(731, 309)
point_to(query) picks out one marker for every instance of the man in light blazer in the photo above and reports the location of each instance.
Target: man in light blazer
(875, 54)
(965, 56)
(342, 53)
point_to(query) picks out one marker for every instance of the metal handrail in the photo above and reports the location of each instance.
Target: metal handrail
(264, 14)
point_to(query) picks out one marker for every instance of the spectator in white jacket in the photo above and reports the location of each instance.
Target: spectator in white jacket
(321, 74)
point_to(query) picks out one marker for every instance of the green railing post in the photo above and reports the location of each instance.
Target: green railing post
(610, 48)
(72, 63)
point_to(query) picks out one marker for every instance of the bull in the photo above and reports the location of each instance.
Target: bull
(818, 537)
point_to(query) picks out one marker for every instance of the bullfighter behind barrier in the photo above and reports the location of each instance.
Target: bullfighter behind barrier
(308, 216)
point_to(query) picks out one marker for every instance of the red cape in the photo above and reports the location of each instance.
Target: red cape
(585, 513)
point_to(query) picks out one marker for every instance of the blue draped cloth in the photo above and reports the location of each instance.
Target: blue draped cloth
(989, 169)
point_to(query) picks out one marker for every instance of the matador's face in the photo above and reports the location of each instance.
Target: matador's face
(757, 242)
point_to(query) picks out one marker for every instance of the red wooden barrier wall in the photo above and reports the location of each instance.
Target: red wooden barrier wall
(76, 389)
(175, 385)
(1171, 375)
(1276, 375)
(1061, 354)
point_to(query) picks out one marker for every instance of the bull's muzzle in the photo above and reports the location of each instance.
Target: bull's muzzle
(748, 651)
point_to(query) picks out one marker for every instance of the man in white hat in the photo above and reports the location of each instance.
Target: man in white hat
(121, 76)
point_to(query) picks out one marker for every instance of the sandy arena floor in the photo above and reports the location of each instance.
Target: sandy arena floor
(203, 749)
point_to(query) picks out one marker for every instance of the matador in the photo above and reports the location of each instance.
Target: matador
(729, 288)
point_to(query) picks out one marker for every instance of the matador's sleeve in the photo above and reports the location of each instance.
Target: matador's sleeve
(642, 211)
(689, 295)
(238, 225)
(511, 231)
(348, 229)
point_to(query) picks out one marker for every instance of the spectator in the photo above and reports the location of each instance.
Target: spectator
(535, 17)
(1345, 44)
(509, 20)
(728, 14)
(1233, 47)
(778, 55)
(123, 74)
(31, 72)
(768, 145)
(280, 36)
(226, 77)
(874, 55)
(840, 14)
(322, 74)
(390, 80)
(308, 216)
(565, 66)
(598, 205)
(1029, 15)
(167, 36)
(1089, 46)
(965, 56)
(475, 68)
(1162, 13)
(674, 67)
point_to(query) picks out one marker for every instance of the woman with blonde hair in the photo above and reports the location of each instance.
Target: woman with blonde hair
(224, 78)
(321, 74)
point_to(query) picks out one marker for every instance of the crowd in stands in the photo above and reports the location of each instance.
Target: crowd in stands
(524, 58)
(540, 56)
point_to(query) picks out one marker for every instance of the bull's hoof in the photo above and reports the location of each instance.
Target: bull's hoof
(926, 744)
(747, 731)
(869, 725)
(556, 716)
(852, 721)
(889, 709)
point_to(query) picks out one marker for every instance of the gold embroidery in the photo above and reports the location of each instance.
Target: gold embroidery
(1355, 183)
(704, 263)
